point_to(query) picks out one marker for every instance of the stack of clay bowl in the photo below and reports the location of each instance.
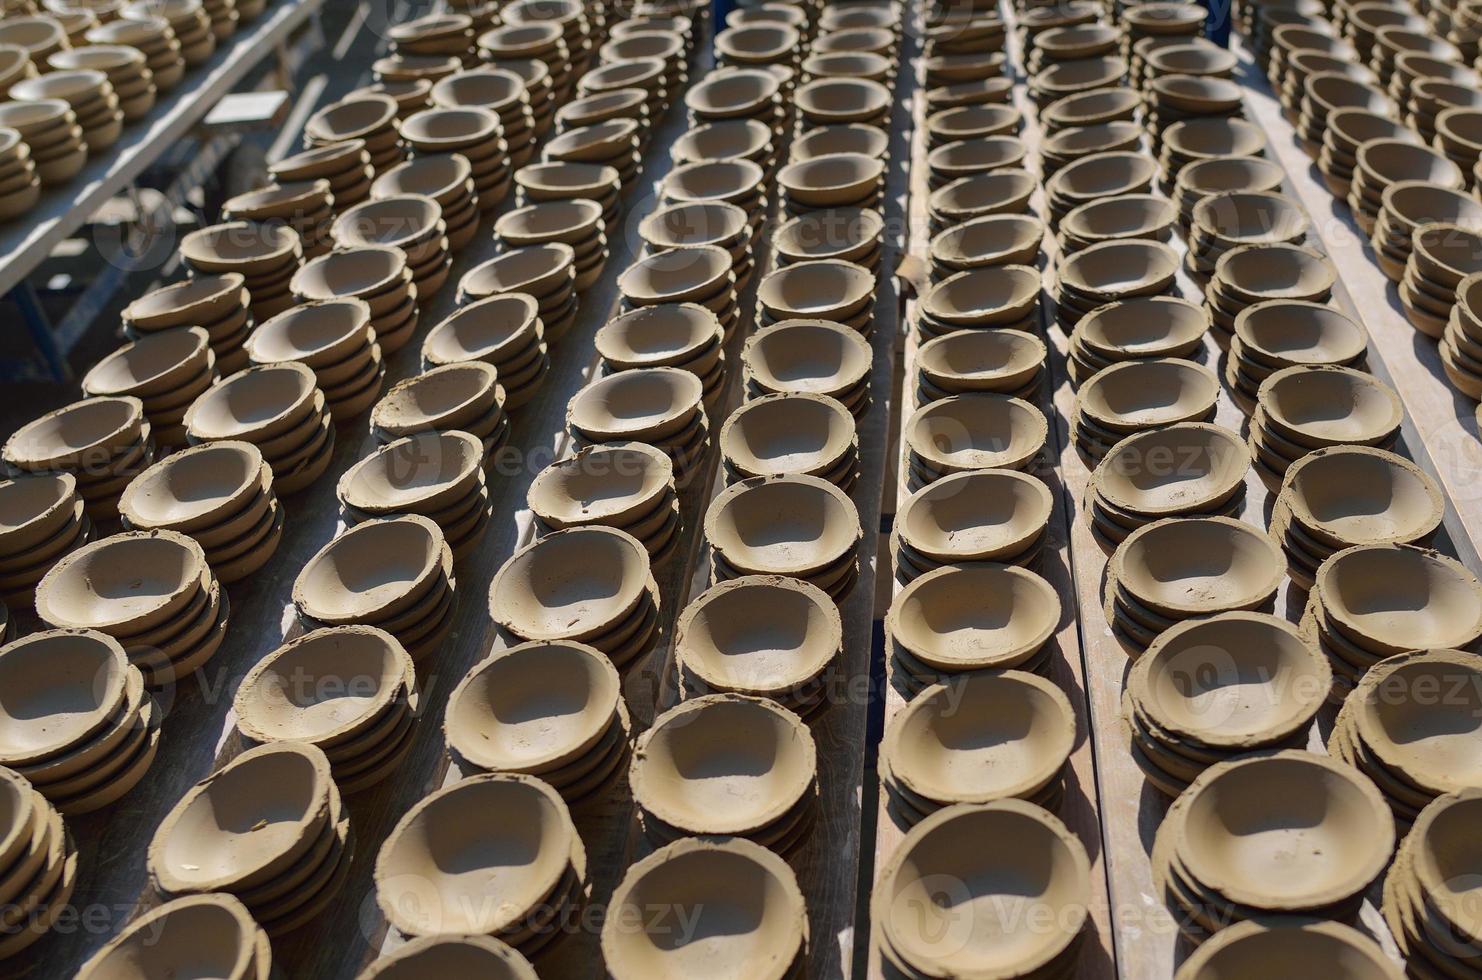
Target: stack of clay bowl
(1109, 272)
(501, 92)
(448, 180)
(539, 42)
(214, 934)
(660, 406)
(1130, 489)
(371, 119)
(91, 97)
(395, 574)
(1457, 136)
(1000, 192)
(266, 256)
(707, 223)
(640, 47)
(724, 645)
(220, 494)
(1427, 891)
(1002, 361)
(216, 304)
(378, 275)
(37, 38)
(1197, 56)
(1409, 204)
(426, 870)
(1383, 162)
(592, 585)
(471, 132)
(727, 139)
(979, 155)
(1342, 496)
(53, 148)
(1300, 409)
(127, 72)
(78, 723)
(463, 397)
(680, 335)
(1094, 108)
(727, 765)
(1149, 217)
(1100, 175)
(1206, 178)
(624, 485)
(347, 167)
(1224, 222)
(1000, 239)
(349, 690)
(1267, 702)
(1326, 95)
(41, 873)
(1035, 19)
(535, 77)
(547, 273)
(1133, 396)
(835, 101)
(577, 223)
(972, 122)
(1371, 602)
(42, 518)
(166, 371)
(1066, 78)
(990, 298)
(1136, 329)
(553, 710)
(102, 442)
(1178, 98)
(537, 182)
(1194, 140)
(1069, 145)
(648, 75)
(409, 223)
(1255, 274)
(279, 409)
(1309, 63)
(700, 274)
(782, 435)
(439, 475)
(975, 431)
(1348, 129)
(997, 855)
(1461, 348)
(154, 37)
(336, 341)
(802, 527)
(1188, 568)
(577, 29)
(871, 141)
(1441, 256)
(1282, 334)
(845, 180)
(504, 331)
(734, 181)
(978, 738)
(613, 143)
(152, 591)
(305, 206)
(268, 828)
(809, 357)
(826, 289)
(191, 23)
(968, 518)
(411, 95)
(1328, 830)
(434, 34)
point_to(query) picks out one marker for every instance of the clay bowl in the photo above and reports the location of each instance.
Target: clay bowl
(999, 192)
(1420, 738)
(450, 397)
(745, 899)
(757, 43)
(293, 200)
(726, 95)
(1278, 271)
(1144, 394)
(433, 957)
(1124, 216)
(697, 223)
(1250, 949)
(317, 334)
(502, 831)
(999, 854)
(669, 334)
(1212, 139)
(734, 139)
(778, 434)
(787, 525)
(1195, 95)
(1440, 851)
(1385, 161)
(721, 639)
(982, 360)
(1323, 406)
(1194, 566)
(714, 180)
(974, 432)
(1352, 494)
(124, 584)
(496, 329)
(832, 179)
(420, 474)
(969, 617)
(1144, 326)
(821, 289)
(62, 688)
(1393, 598)
(1102, 175)
(570, 585)
(85, 433)
(491, 88)
(1289, 332)
(963, 158)
(1204, 178)
(246, 824)
(410, 222)
(993, 296)
(194, 490)
(981, 737)
(680, 275)
(154, 366)
(1002, 239)
(240, 246)
(1116, 269)
(1444, 254)
(324, 688)
(545, 271)
(574, 222)
(644, 404)
(254, 405)
(442, 177)
(847, 64)
(1193, 683)
(1249, 218)
(1340, 818)
(203, 935)
(1081, 141)
(1212, 470)
(858, 138)
(33, 509)
(841, 100)
(724, 764)
(363, 117)
(374, 273)
(373, 571)
(533, 708)
(984, 515)
(816, 356)
(1091, 108)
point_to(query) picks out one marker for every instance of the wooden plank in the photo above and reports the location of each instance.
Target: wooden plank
(60, 212)
(1079, 810)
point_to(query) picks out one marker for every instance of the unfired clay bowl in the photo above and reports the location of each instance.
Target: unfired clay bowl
(437, 957)
(60, 687)
(788, 525)
(976, 431)
(982, 515)
(1213, 467)
(419, 474)
(787, 434)
(826, 289)
(1142, 394)
(643, 404)
(200, 935)
(1350, 494)
(807, 355)
(609, 483)
(1303, 945)
(196, 488)
(723, 638)
(123, 584)
(981, 360)
(1393, 598)
(374, 569)
(254, 405)
(974, 616)
(1320, 406)
(1192, 566)
(571, 585)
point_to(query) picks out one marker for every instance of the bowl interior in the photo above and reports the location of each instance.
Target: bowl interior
(369, 566)
(56, 688)
(636, 401)
(1141, 394)
(786, 433)
(779, 524)
(1213, 462)
(194, 483)
(1199, 564)
(119, 579)
(976, 614)
(1363, 496)
(1335, 405)
(321, 681)
(727, 638)
(599, 480)
(975, 512)
(582, 576)
(1405, 597)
